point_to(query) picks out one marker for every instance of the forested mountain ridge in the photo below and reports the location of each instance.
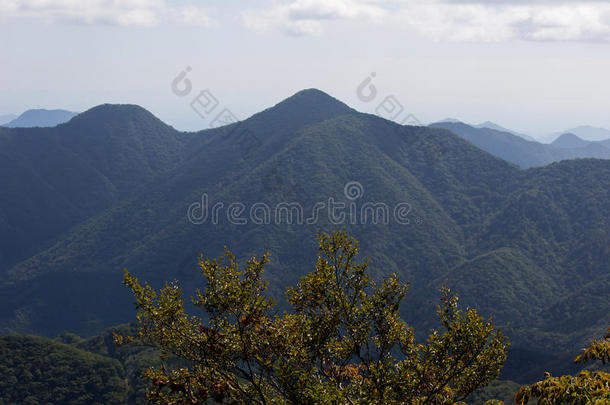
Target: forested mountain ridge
(53, 178)
(524, 245)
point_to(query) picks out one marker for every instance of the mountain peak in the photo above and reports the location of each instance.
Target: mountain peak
(115, 112)
(116, 109)
(305, 107)
(569, 140)
(314, 98)
(586, 133)
(312, 92)
(41, 118)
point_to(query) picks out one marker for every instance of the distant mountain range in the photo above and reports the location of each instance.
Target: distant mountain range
(39, 118)
(491, 125)
(524, 153)
(585, 132)
(486, 124)
(111, 189)
(570, 140)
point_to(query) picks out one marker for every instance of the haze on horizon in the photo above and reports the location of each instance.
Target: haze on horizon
(534, 67)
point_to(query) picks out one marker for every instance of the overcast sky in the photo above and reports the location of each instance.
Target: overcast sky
(536, 67)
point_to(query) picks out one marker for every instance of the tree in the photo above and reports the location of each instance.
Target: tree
(587, 387)
(343, 341)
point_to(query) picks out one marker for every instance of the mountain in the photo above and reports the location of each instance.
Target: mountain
(486, 124)
(570, 140)
(519, 151)
(120, 189)
(53, 178)
(586, 132)
(491, 125)
(7, 118)
(40, 118)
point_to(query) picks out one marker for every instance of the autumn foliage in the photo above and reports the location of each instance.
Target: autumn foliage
(587, 387)
(343, 342)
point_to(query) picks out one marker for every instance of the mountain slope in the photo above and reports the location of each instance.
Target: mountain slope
(550, 237)
(151, 234)
(40, 118)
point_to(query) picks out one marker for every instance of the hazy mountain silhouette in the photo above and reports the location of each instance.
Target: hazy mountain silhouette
(491, 125)
(570, 141)
(40, 118)
(520, 151)
(586, 132)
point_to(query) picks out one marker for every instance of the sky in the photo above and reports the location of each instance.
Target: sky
(533, 66)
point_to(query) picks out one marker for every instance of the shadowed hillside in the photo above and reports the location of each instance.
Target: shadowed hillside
(514, 243)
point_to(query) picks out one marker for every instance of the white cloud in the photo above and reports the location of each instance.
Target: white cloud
(307, 17)
(567, 21)
(196, 16)
(143, 13)
(453, 20)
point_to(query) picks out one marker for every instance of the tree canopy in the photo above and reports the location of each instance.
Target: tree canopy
(342, 342)
(587, 387)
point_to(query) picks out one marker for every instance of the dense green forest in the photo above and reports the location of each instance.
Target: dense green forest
(111, 189)
(36, 370)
